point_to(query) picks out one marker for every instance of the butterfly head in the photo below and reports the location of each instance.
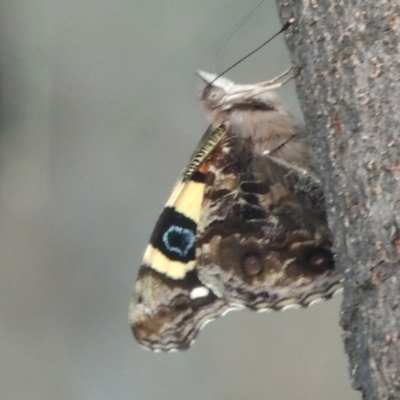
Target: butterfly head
(221, 95)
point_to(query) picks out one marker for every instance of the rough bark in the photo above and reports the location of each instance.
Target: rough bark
(349, 90)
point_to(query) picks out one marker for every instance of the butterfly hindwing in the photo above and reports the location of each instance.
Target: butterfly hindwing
(263, 240)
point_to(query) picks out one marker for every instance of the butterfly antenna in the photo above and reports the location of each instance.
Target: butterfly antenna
(234, 30)
(286, 26)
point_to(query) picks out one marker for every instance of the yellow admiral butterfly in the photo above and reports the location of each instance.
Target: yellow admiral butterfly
(245, 226)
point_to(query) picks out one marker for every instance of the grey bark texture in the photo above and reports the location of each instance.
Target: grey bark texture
(347, 52)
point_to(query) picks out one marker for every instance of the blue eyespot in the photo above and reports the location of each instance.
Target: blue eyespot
(179, 240)
(175, 235)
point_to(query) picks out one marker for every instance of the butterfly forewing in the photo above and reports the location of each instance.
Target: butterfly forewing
(169, 304)
(167, 313)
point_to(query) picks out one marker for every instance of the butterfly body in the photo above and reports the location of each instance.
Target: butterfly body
(245, 227)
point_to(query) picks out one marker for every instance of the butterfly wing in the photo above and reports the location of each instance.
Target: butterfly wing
(263, 239)
(169, 304)
(167, 313)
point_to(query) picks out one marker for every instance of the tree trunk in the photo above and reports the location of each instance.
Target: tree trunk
(347, 52)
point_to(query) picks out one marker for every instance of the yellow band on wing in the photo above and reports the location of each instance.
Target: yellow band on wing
(187, 199)
(160, 263)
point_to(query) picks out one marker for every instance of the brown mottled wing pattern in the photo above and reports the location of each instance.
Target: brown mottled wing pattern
(164, 314)
(263, 239)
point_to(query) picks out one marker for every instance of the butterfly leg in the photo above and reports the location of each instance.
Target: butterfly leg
(291, 167)
(273, 84)
(286, 76)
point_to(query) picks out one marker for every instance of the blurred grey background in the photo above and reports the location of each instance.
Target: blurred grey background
(98, 116)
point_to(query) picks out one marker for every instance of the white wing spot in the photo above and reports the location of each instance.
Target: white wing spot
(235, 308)
(199, 291)
(173, 350)
(264, 310)
(294, 306)
(338, 291)
(315, 301)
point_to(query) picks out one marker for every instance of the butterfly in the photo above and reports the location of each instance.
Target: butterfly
(245, 225)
